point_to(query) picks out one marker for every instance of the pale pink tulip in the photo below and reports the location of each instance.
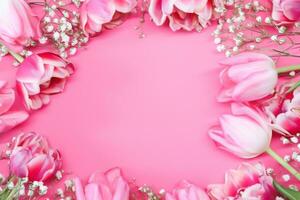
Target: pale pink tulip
(41, 75)
(186, 191)
(245, 133)
(18, 23)
(247, 77)
(103, 186)
(98, 13)
(187, 15)
(285, 113)
(245, 183)
(9, 119)
(32, 157)
(286, 10)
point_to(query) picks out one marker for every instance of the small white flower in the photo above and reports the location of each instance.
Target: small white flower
(274, 37)
(294, 140)
(259, 19)
(282, 29)
(218, 40)
(10, 185)
(268, 20)
(286, 177)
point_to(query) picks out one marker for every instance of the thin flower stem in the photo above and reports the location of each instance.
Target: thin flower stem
(293, 87)
(16, 56)
(284, 164)
(288, 69)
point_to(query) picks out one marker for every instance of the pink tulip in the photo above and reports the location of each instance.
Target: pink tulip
(285, 113)
(186, 191)
(98, 13)
(18, 24)
(41, 75)
(32, 157)
(108, 186)
(247, 182)
(9, 119)
(187, 15)
(245, 133)
(248, 77)
(286, 10)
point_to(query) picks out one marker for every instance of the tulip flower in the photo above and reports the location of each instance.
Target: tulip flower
(18, 23)
(187, 15)
(247, 77)
(94, 14)
(246, 182)
(41, 75)
(245, 132)
(285, 113)
(105, 186)
(32, 157)
(186, 191)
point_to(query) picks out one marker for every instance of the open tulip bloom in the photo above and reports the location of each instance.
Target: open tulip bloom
(247, 133)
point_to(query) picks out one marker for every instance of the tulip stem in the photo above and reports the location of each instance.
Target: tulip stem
(283, 70)
(283, 163)
(16, 56)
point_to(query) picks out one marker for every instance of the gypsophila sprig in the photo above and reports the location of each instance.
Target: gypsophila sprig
(248, 26)
(61, 26)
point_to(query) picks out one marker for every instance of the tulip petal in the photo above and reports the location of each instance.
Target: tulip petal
(125, 6)
(92, 192)
(12, 119)
(246, 134)
(291, 9)
(156, 13)
(7, 99)
(18, 160)
(41, 167)
(31, 70)
(255, 87)
(79, 189)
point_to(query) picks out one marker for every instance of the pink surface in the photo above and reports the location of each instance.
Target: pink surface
(141, 104)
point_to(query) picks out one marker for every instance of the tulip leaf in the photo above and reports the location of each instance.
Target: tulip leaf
(286, 192)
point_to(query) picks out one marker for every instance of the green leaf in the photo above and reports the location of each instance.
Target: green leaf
(286, 192)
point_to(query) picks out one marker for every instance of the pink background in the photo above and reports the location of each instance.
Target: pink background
(141, 104)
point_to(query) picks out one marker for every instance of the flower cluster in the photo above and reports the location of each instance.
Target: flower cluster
(259, 108)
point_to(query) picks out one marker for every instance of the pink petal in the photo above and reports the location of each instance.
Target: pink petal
(56, 86)
(255, 87)
(31, 69)
(121, 190)
(291, 9)
(52, 59)
(189, 6)
(226, 143)
(92, 192)
(125, 6)
(156, 12)
(41, 167)
(79, 189)
(7, 99)
(18, 161)
(205, 15)
(12, 119)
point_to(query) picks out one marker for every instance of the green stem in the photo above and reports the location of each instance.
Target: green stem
(283, 70)
(283, 163)
(16, 56)
(293, 87)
